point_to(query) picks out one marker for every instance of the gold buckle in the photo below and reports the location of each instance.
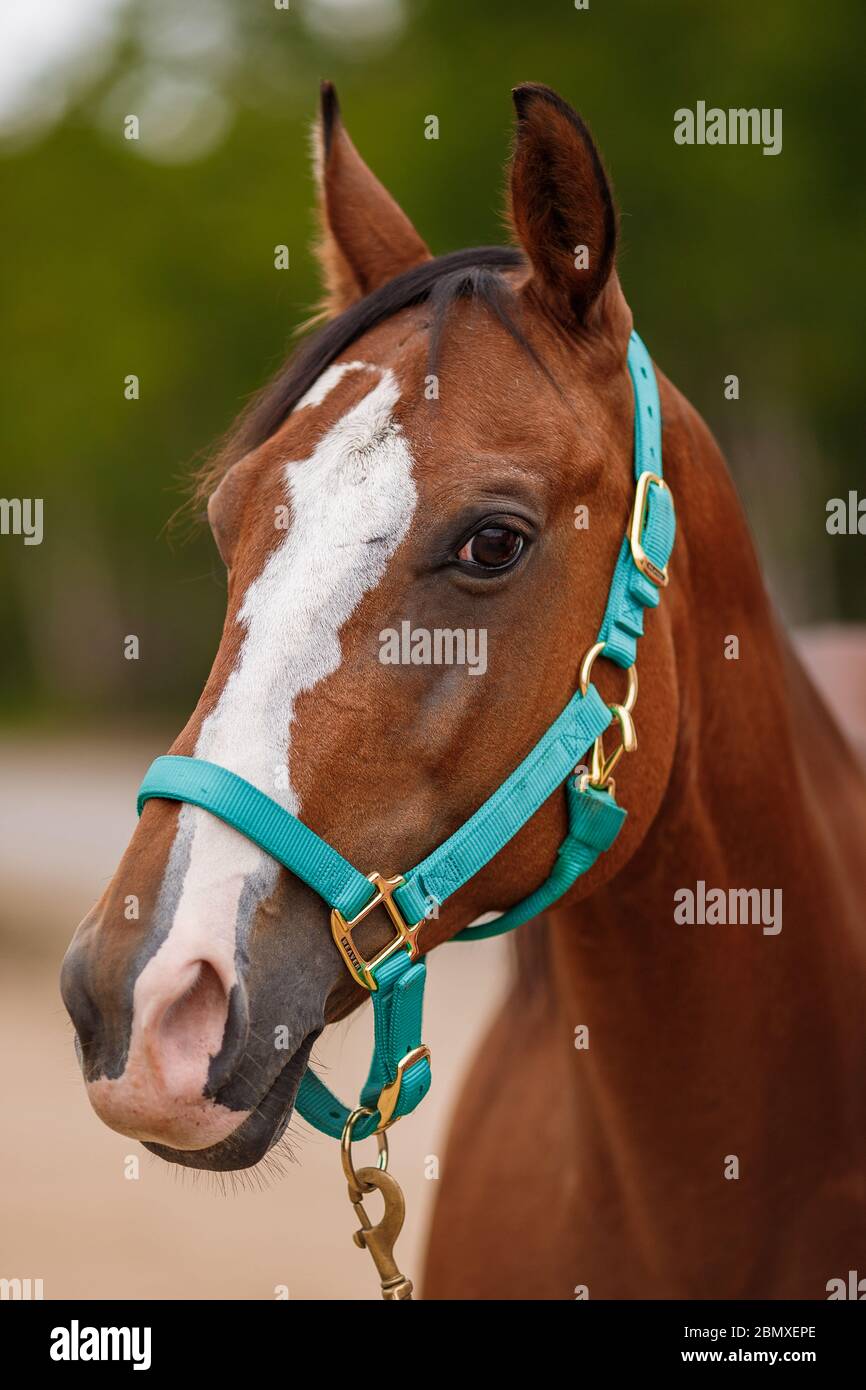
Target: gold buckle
(636, 525)
(341, 930)
(390, 1094)
(601, 767)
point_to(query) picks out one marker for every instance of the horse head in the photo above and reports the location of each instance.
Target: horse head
(419, 518)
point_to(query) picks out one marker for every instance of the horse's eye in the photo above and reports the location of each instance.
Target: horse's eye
(493, 548)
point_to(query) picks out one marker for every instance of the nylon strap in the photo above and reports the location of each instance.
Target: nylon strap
(594, 818)
(262, 820)
(630, 591)
(306, 854)
(594, 821)
(397, 1007)
(510, 807)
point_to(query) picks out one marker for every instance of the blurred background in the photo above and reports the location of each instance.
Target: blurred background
(155, 257)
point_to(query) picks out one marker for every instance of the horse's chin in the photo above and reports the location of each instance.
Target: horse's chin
(260, 1131)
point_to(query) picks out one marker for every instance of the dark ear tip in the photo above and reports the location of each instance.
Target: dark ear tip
(526, 93)
(330, 111)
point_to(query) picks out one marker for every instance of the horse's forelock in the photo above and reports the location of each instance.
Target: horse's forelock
(474, 274)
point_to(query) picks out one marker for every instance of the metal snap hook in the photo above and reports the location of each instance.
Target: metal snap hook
(601, 766)
(379, 1237)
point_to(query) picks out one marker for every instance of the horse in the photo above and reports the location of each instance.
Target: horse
(670, 1103)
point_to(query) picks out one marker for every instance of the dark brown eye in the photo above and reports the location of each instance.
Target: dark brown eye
(492, 549)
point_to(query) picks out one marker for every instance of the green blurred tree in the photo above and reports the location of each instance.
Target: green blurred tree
(156, 258)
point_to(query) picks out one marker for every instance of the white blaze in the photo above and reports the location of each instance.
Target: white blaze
(356, 487)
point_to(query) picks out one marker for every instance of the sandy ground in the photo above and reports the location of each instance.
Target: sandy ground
(69, 1214)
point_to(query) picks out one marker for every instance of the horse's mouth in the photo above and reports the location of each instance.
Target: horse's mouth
(263, 1127)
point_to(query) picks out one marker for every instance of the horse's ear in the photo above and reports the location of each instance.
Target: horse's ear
(366, 239)
(562, 210)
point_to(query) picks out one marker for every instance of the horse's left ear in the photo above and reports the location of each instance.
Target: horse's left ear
(366, 238)
(562, 211)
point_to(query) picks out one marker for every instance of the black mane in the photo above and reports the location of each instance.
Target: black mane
(471, 274)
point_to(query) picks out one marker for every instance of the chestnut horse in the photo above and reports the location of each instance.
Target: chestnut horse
(671, 1103)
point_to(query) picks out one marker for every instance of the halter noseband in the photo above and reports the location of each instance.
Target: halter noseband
(400, 1069)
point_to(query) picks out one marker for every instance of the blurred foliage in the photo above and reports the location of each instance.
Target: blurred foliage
(116, 262)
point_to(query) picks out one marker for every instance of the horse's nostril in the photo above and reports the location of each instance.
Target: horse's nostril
(196, 1031)
(189, 1014)
(234, 1042)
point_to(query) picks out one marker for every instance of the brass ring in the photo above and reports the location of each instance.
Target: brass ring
(346, 1147)
(631, 671)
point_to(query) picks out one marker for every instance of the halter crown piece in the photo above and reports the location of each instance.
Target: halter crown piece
(400, 1069)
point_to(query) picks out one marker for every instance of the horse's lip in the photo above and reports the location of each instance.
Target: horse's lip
(263, 1127)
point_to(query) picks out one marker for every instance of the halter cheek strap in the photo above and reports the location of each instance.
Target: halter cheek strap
(400, 1069)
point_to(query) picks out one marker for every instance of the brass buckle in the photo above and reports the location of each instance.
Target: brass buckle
(636, 525)
(390, 1094)
(601, 766)
(341, 930)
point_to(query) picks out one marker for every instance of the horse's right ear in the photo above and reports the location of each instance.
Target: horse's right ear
(366, 239)
(562, 211)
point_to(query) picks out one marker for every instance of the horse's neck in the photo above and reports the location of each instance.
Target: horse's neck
(713, 1040)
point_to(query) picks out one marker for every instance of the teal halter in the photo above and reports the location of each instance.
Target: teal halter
(400, 1068)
